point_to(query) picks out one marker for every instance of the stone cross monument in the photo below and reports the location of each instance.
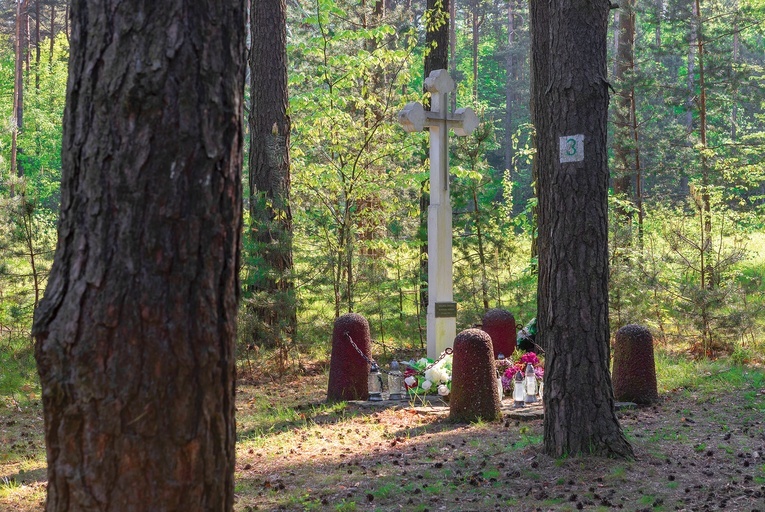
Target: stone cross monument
(442, 311)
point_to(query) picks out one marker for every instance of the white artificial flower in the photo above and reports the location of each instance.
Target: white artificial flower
(423, 362)
(410, 381)
(443, 390)
(426, 385)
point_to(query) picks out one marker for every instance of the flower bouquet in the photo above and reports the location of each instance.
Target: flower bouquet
(421, 380)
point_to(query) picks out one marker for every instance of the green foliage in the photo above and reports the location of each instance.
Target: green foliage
(27, 219)
(40, 138)
(349, 156)
(357, 179)
(662, 286)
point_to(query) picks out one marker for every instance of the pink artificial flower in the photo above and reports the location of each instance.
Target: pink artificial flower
(530, 357)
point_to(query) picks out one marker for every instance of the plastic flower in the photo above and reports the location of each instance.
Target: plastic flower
(507, 380)
(529, 357)
(426, 385)
(437, 375)
(410, 381)
(443, 390)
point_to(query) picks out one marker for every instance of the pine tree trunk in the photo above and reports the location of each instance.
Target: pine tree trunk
(270, 212)
(135, 335)
(509, 87)
(37, 44)
(18, 88)
(475, 26)
(623, 144)
(571, 98)
(52, 33)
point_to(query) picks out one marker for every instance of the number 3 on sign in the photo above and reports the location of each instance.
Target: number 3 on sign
(571, 148)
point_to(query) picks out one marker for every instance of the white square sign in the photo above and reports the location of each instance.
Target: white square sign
(571, 148)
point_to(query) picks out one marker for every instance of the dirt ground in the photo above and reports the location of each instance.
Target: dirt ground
(694, 452)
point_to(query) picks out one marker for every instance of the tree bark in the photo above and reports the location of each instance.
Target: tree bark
(270, 212)
(52, 32)
(690, 82)
(571, 98)
(509, 87)
(18, 87)
(135, 335)
(475, 24)
(624, 139)
(37, 44)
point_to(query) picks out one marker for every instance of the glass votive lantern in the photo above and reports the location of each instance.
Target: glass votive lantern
(531, 384)
(519, 389)
(396, 382)
(375, 383)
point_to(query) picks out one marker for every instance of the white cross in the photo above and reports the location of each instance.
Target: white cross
(442, 328)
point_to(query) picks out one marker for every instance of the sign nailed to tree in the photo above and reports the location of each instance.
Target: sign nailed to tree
(571, 148)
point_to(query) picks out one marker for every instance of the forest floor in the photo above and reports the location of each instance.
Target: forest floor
(696, 449)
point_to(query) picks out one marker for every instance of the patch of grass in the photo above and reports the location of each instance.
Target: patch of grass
(346, 506)
(618, 473)
(527, 440)
(19, 386)
(491, 473)
(384, 491)
(305, 502)
(8, 484)
(677, 372)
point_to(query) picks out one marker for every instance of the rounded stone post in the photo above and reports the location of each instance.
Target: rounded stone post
(634, 370)
(474, 382)
(348, 371)
(500, 325)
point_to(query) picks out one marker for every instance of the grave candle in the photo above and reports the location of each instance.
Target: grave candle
(519, 390)
(395, 382)
(375, 383)
(531, 384)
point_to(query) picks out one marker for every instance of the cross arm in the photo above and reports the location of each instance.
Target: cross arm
(413, 117)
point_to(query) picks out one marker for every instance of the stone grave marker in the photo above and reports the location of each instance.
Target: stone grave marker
(474, 383)
(500, 325)
(348, 370)
(634, 370)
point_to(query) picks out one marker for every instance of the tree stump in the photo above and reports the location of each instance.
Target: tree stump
(634, 371)
(500, 325)
(348, 370)
(474, 381)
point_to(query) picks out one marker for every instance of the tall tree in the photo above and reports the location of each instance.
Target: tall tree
(571, 102)
(511, 76)
(135, 334)
(624, 66)
(270, 213)
(18, 88)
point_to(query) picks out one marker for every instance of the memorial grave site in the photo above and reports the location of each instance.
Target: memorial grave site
(382, 256)
(698, 437)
